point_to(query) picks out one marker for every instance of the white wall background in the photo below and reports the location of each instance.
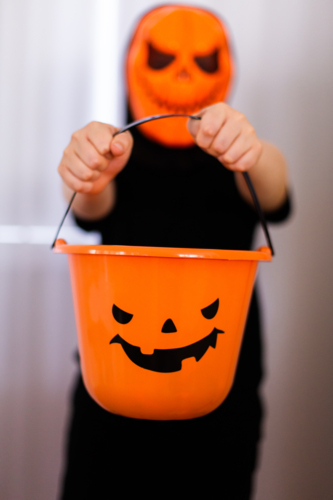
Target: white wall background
(53, 80)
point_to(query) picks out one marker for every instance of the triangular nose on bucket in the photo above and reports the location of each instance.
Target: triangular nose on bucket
(169, 326)
(176, 356)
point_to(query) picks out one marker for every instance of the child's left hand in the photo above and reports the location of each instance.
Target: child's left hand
(226, 134)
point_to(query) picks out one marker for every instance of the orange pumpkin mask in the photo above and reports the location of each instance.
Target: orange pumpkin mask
(178, 61)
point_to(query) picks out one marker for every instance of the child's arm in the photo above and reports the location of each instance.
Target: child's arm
(93, 159)
(89, 163)
(226, 134)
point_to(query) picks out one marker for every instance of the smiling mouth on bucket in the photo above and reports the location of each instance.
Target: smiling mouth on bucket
(167, 360)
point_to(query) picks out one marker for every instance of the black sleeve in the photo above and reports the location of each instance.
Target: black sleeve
(93, 225)
(282, 213)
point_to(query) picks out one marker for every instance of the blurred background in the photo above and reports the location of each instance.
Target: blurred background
(61, 67)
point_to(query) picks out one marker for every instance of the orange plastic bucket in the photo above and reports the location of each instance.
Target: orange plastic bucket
(160, 329)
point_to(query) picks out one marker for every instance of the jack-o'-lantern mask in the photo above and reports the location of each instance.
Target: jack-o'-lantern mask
(178, 61)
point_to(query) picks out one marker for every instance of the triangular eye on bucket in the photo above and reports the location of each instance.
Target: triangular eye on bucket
(210, 311)
(121, 316)
(245, 174)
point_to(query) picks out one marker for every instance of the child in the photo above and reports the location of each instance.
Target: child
(165, 187)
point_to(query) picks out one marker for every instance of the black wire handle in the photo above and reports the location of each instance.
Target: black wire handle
(258, 210)
(194, 117)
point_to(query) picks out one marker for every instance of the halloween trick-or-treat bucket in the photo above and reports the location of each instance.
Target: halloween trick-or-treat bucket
(160, 329)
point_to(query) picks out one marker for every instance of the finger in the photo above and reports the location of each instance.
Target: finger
(89, 155)
(211, 122)
(100, 136)
(213, 118)
(238, 148)
(248, 160)
(193, 126)
(79, 169)
(121, 144)
(73, 182)
(245, 161)
(224, 139)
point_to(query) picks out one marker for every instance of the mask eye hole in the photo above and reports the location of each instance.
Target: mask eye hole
(209, 63)
(158, 59)
(210, 311)
(121, 316)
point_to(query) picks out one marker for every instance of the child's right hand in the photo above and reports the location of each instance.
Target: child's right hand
(93, 158)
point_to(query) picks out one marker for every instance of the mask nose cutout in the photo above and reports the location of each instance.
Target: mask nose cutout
(169, 327)
(183, 75)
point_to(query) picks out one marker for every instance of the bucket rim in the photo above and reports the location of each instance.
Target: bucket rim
(261, 254)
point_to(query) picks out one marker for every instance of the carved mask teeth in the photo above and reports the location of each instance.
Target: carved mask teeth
(173, 107)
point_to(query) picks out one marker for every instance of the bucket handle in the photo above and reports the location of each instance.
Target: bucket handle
(245, 175)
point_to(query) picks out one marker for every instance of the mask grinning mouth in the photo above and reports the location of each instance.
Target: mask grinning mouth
(178, 107)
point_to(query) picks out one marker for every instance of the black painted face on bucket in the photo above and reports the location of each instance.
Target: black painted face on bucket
(167, 360)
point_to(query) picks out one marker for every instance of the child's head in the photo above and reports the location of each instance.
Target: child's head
(178, 61)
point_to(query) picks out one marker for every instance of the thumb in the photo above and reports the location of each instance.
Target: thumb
(193, 125)
(121, 144)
